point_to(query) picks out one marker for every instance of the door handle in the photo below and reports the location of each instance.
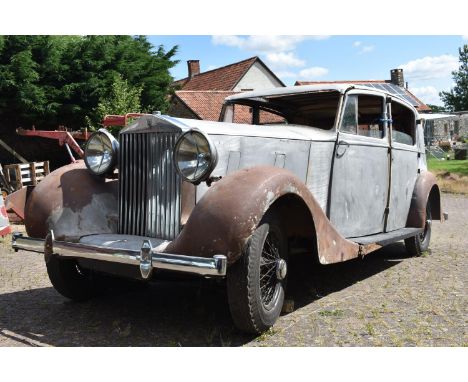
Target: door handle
(341, 148)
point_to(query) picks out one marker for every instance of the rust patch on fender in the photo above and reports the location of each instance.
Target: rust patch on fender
(73, 203)
(425, 183)
(230, 211)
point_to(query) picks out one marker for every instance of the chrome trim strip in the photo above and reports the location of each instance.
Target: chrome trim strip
(215, 266)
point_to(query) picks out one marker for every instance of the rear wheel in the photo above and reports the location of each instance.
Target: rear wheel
(256, 282)
(418, 244)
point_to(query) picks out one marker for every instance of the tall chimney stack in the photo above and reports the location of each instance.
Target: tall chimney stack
(396, 77)
(193, 68)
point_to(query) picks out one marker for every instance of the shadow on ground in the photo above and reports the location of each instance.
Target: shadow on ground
(187, 313)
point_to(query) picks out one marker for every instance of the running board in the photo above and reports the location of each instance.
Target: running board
(388, 237)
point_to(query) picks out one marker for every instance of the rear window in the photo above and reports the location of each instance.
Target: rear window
(403, 125)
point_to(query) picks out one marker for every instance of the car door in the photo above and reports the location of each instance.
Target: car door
(360, 177)
(404, 167)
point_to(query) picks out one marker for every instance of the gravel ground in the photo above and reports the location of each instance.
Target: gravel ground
(386, 299)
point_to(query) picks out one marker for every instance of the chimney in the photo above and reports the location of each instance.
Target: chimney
(396, 77)
(193, 68)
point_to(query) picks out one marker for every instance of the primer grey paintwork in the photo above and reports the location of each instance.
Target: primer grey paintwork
(305, 151)
(347, 174)
(359, 185)
(404, 174)
(319, 170)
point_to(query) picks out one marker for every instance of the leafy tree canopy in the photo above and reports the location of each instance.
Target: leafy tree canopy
(61, 80)
(122, 99)
(457, 98)
(437, 108)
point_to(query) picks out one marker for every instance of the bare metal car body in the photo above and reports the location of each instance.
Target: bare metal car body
(346, 188)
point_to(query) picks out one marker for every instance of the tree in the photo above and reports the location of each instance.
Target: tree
(122, 98)
(457, 98)
(60, 80)
(437, 108)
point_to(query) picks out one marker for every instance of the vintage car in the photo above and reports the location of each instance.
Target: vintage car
(336, 171)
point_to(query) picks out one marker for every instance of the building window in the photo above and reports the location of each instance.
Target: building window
(456, 127)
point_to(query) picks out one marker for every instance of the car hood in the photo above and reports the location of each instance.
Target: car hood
(299, 132)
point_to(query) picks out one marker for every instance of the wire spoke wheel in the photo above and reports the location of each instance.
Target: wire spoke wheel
(256, 282)
(268, 266)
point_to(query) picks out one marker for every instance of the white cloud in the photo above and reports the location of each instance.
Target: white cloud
(363, 48)
(227, 40)
(286, 74)
(313, 72)
(427, 94)
(429, 68)
(282, 60)
(465, 37)
(367, 49)
(211, 67)
(278, 51)
(263, 43)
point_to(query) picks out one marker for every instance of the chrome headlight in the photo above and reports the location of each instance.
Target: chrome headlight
(195, 156)
(101, 151)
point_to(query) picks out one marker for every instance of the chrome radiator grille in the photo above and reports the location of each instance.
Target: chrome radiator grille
(149, 198)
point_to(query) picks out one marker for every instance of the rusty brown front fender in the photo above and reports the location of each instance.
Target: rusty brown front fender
(425, 189)
(73, 203)
(232, 208)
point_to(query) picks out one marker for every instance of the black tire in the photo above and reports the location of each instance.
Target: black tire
(70, 280)
(256, 303)
(5, 193)
(418, 244)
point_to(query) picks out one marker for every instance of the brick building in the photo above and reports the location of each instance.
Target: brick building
(201, 94)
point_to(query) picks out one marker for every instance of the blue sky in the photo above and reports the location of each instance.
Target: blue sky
(427, 60)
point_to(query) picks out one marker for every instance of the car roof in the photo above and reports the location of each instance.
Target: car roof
(341, 88)
(291, 90)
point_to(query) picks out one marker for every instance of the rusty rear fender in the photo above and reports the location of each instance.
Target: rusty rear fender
(425, 189)
(229, 212)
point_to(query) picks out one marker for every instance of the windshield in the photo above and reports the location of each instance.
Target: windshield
(317, 109)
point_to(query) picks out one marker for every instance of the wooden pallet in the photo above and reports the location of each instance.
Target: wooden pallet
(25, 174)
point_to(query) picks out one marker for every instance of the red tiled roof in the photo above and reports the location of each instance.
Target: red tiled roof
(421, 105)
(205, 104)
(224, 78)
(208, 104)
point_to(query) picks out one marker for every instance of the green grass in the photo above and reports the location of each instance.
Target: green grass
(331, 313)
(459, 167)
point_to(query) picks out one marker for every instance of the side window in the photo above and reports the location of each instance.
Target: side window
(363, 116)
(370, 116)
(349, 124)
(403, 125)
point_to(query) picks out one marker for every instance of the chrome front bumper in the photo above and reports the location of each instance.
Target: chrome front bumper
(146, 258)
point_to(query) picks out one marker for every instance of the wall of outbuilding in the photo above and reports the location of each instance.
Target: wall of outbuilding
(445, 129)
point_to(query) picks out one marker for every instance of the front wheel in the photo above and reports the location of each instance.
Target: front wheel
(70, 280)
(256, 282)
(418, 244)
